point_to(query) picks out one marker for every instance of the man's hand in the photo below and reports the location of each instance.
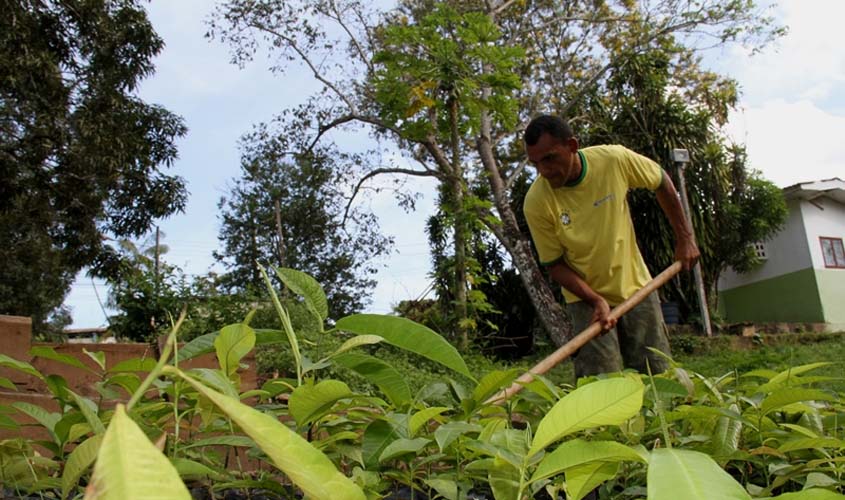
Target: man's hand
(686, 251)
(601, 314)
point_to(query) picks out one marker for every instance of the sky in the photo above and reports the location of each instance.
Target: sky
(791, 117)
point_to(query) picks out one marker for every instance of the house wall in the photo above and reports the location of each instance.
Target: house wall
(792, 285)
(791, 297)
(827, 218)
(787, 252)
(823, 217)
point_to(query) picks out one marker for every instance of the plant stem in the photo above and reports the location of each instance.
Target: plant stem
(162, 361)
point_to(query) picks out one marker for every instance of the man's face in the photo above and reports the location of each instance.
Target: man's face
(556, 161)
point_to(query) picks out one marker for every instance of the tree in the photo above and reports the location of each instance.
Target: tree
(660, 100)
(287, 211)
(80, 154)
(146, 291)
(438, 79)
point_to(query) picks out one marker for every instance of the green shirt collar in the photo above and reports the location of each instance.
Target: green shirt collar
(583, 171)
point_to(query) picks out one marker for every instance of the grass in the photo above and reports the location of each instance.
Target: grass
(710, 357)
(720, 355)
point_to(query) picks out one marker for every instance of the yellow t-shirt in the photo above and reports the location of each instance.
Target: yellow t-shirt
(588, 223)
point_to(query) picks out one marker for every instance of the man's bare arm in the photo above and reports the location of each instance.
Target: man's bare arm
(572, 281)
(686, 250)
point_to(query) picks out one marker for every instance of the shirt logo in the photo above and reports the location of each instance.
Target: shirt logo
(609, 197)
(565, 219)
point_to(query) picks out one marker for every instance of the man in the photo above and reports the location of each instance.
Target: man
(578, 214)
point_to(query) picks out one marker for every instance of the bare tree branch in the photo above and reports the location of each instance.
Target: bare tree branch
(385, 170)
(319, 76)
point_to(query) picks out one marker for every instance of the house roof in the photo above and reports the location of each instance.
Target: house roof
(829, 188)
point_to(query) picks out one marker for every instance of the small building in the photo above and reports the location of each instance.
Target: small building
(84, 335)
(802, 275)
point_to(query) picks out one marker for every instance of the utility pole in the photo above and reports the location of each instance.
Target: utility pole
(281, 248)
(681, 158)
(155, 275)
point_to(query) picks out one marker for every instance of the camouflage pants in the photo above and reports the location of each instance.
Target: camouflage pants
(624, 346)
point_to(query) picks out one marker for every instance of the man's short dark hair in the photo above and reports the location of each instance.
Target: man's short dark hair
(547, 124)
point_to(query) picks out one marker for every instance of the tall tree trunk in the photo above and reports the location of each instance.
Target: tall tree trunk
(552, 316)
(457, 193)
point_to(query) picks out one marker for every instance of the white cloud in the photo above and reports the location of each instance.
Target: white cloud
(792, 109)
(792, 142)
(808, 63)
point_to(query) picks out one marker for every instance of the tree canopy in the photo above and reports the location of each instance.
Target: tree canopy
(288, 211)
(81, 156)
(437, 79)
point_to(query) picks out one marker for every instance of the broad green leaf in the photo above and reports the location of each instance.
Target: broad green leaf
(448, 488)
(66, 423)
(724, 440)
(379, 373)
(47, 419)
(408, 335)
(377, 436)
(504, 479)
(604, 402)
(492, 382)
(79, 460)
(403, 446)
(811, 444)
(58, 386)
(203, 344)
(450, 431)
(783, 377)
(190, 469)
(811, 494)
(578, 452)
(284, 318)
(422, 417)
(800, 429)
(233, 343)
(20, 366)
(785, 397)
(582, 479)
(127, 380)
(668, 388)
(309, 402)
(134, 365)
(674, 473)
(216, 379)
(308, 288)
(8, 423)
(89, 410)
(221, 441)
(8, 384)
(356, 341)
(130, 467)
(99, 357)
(819, 480)
(51, 354)
(305, 465)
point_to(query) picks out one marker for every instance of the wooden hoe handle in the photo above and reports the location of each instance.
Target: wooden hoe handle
(586, 335)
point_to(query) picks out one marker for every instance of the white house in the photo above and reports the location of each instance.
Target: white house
(802, 277)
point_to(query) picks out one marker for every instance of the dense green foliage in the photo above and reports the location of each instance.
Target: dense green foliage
(758, 434)
(662, 99)
(451, 83)
(311, 230)
(81, 156)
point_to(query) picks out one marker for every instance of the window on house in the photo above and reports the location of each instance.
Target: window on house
(760, 250)
(833, 251)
